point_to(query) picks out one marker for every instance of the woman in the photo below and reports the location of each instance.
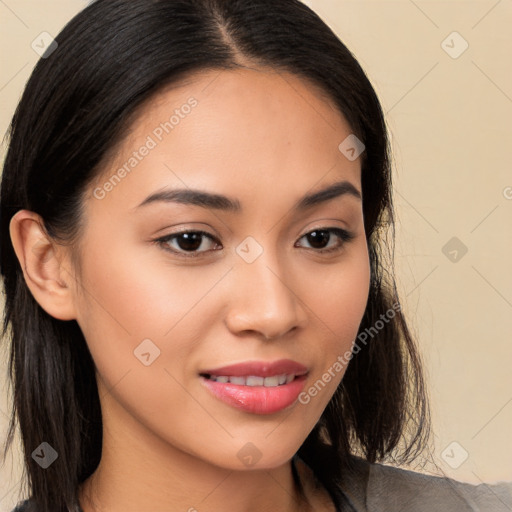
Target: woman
(198, 285)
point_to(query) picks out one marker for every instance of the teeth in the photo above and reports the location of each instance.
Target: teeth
(254, 380)
(271, 382)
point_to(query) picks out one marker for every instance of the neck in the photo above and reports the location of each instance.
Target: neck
(139, 471)
(131, 487)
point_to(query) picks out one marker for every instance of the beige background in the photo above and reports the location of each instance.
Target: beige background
(449, 117)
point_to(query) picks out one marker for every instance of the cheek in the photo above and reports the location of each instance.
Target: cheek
(337, 306)
(338, 294)
(131, 309)
(130, 297)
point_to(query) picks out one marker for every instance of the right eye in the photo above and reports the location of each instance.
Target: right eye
(187, 241)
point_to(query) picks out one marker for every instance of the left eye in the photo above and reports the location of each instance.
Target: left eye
(191, 241)
(319, 236)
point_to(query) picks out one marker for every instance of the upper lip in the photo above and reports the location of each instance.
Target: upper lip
(259, 369)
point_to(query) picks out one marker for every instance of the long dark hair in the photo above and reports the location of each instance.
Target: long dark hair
(111, 59)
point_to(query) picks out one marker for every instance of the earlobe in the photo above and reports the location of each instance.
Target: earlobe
(45, 273)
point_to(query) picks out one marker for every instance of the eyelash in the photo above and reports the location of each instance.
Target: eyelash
(344, 235)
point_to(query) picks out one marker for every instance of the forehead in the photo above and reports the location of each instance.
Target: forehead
(236, 132)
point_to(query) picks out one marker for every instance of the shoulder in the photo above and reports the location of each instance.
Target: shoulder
(24, 506)
(29, 505)
(390, 489)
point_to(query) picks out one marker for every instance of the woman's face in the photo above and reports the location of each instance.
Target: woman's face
(255, 287)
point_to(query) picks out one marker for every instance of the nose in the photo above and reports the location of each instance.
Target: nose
(263, 301)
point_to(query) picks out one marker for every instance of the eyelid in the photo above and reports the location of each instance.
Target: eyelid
(343, 234)
(167, 238)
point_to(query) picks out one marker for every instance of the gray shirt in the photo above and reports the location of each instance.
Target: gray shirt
(382, 488)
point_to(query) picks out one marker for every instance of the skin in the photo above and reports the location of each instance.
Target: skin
(266, 139)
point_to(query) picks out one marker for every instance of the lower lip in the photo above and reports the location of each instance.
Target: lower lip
(257, 399)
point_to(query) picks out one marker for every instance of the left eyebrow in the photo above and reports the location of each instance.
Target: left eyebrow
(219, 202)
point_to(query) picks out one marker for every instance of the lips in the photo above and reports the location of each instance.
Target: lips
(258, 387)
(259, 369)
